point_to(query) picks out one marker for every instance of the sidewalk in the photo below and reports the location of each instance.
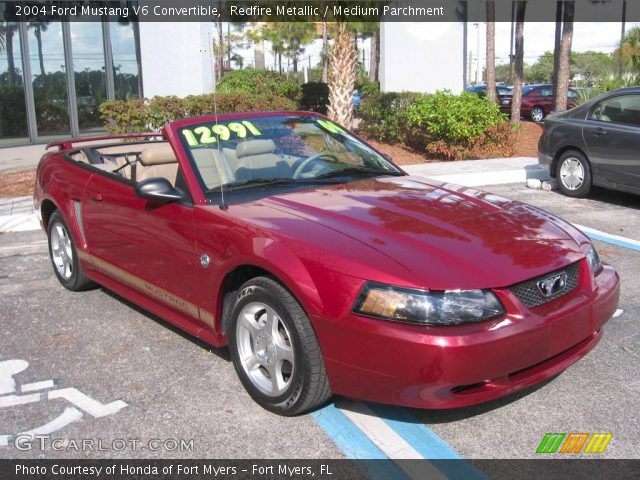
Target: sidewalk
(14, 159)
(16, 214)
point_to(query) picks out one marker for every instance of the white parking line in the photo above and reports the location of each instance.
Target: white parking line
(618, 312)
(32, 387)
(14, 400)
(388, 440)
(86, 403)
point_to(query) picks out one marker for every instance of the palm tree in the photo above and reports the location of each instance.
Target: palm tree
(561, 87)
(325, 52)
(629, 51)
(343, 62)
(38, 29)
(6, 44)
(491, 50)
(518, 66)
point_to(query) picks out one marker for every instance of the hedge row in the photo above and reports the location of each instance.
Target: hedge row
(139, 115)
(443, 125)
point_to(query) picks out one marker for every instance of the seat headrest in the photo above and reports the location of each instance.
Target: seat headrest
(255, 147)
(157, 154)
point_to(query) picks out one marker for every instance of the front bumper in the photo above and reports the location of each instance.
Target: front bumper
(446, 367)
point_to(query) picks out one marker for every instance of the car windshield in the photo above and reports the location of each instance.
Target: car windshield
(263, 151)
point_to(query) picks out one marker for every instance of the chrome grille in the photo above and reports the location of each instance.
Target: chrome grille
(529, 294)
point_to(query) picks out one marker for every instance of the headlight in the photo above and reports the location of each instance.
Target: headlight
(594, 260)
(449, 307)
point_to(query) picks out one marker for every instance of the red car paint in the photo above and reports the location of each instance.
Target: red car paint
(324, 243)
(536, 96)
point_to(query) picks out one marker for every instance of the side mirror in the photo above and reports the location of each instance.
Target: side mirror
(158, 189)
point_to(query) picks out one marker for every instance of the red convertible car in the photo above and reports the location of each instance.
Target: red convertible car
(324, 267)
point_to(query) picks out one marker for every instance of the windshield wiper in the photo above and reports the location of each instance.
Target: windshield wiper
(271, 181)
(357, 171)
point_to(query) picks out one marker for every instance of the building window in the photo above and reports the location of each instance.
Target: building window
(126, 74)
(89, 71)
(49, 78)
(13, 110)
(54, 75)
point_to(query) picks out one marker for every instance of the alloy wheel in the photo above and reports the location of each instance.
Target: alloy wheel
(61, 251)
(265, 349)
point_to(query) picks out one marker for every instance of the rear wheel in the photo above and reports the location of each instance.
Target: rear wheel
(537, 113)
(275, 351)
(574, 174)
(64, 258)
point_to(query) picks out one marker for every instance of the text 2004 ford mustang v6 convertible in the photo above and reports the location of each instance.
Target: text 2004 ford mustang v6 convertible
(324, 266)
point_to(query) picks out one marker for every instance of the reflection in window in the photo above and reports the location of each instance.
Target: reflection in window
(89, 72)
(623, 109)
(125, 62)
(48, 70)
(13, 113)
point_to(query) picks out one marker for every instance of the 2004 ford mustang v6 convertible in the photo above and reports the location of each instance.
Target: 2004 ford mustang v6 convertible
(323, 266)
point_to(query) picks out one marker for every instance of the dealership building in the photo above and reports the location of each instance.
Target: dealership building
(55, 74)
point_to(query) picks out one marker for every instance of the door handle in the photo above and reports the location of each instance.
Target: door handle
(599, 131)
(96, 197)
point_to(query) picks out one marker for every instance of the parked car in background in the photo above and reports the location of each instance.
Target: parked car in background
(501, 90)
(596, 143)
(322, 265)
(537, 101)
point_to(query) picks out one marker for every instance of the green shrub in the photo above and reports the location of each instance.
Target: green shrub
(384, 116)
(138, 115)
(495, 141)
(368, 88)
(605, 84)
(125, 116)
(259, 82)
(161, 110)
(315, 97)
(454, 118)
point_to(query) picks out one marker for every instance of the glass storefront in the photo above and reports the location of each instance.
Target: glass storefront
(90, 73)
(125, 60)
(13, 110)
(54, 75)
(49, 78)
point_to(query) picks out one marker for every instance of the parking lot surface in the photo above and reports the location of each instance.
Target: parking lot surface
(91, 367)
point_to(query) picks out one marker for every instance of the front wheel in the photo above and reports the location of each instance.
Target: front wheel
(537, 114)
(574, 174)
(64, 257)
(275, 351)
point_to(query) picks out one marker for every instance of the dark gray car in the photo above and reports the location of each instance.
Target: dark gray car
(596, 143)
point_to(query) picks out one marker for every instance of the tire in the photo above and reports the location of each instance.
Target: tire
(62, 252)
(574, 174)
(275, 351)
(537, 114)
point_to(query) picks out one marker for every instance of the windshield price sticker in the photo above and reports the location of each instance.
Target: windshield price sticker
(208, 134)
(330, 126)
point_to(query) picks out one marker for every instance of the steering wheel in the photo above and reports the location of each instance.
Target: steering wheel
(317, 158)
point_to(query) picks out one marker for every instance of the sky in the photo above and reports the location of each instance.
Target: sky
(539, 38)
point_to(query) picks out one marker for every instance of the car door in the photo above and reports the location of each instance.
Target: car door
(143, 244)
(612, 136)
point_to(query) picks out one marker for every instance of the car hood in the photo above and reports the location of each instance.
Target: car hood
(449, 236)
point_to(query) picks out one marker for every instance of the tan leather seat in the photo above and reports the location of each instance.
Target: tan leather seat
(257, 160)
(157, 160)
